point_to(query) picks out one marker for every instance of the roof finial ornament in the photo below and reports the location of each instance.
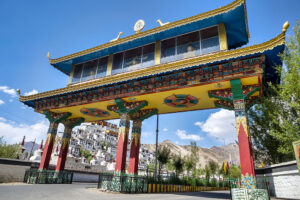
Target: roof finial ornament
(48, 55)
(139, 25)
(117, 38)
(161, 23)
(285, 26)
(19, 92)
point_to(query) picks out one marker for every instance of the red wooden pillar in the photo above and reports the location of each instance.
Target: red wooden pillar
(48, 145)
(135, 147)
(122, 143)
(65, 141)
(54, 119)
(246, 158)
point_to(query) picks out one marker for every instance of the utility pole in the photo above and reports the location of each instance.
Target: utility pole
(156, 147)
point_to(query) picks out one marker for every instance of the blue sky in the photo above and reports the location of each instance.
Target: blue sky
(29, 29)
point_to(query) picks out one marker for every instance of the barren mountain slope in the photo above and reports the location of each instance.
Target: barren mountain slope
(228, 152)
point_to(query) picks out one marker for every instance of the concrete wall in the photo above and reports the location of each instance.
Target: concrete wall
(85, 177)
(283, 180)
(12, 170)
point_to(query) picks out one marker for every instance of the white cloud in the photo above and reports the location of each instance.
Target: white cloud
(220, 124)
(7, 90)
(14, 133)
(165, 130)
(146, 134)
(1, 102)
(11, 100)
(32, 92)
(184, 136)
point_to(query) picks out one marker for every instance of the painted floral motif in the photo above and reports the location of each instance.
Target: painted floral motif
(181, 100)
(248, 182)
(94, 112)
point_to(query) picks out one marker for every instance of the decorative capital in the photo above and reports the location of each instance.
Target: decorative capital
(141, 115)
(56, 117)
(123, 106)
(71, 123)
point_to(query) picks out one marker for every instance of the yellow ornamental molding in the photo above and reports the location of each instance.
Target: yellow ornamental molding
(176, 65)
(242, 120)
(65, 142)
(124, 132)
(181, 22)
(136, 137)
(50, 139)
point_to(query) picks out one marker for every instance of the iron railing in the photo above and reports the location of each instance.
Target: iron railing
(123, 183)
(35, 176)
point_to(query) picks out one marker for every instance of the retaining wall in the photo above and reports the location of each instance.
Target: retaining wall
(283, 180)
(12, 170)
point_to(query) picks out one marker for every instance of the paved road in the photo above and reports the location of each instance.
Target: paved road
(89, 192)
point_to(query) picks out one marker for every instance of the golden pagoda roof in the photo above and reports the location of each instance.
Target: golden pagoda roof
(60, 63)
(166, 67)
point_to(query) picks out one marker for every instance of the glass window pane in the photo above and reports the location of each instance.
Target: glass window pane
(210, 40)
(168, 50)
(117, 63)
(132, 59)
(188, 45)
(148, 55)
(102, 67)
(77, 73)
(209, 32)
(89, 70)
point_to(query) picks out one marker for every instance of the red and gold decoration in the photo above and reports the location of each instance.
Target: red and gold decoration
(94, 112)
(54, 119)
(65, 141)
(137, 118)
(181, 100)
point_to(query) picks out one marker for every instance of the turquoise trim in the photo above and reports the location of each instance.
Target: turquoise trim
(236, 88)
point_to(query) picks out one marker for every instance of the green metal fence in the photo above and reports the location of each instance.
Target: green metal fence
(35, 176)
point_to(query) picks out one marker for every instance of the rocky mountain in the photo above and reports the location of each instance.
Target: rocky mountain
(228, 152)
(31, 145)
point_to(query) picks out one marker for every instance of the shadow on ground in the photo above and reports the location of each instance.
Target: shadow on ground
(208, 195)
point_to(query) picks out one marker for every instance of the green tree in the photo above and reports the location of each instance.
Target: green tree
(9, 150)
(189, 164)
(178, 163)
(275, 123)
(163, 155)
(213, 166)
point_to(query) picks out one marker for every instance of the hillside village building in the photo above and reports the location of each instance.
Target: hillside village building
(100, 139)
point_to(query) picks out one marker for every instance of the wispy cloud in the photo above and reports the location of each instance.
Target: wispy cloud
(1, 102)
(32, 92)
(13, 133)
(165, 130)
(146, 134)
(12, 92)
(184, 136)
(220, 125)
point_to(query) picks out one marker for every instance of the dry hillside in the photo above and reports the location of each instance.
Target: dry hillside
(217, 154)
